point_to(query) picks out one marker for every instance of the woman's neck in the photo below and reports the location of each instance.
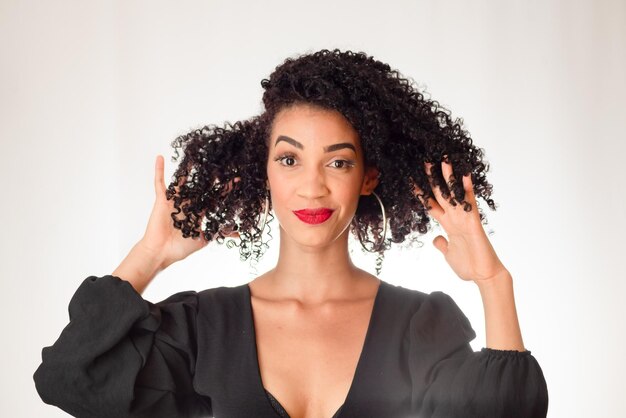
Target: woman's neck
(315, 275)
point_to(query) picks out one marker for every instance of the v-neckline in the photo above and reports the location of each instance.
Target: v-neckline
(259, 380)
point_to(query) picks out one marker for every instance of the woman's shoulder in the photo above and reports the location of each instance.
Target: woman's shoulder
(223, 291)
(224, 302)
(415, 301)
(402, 294)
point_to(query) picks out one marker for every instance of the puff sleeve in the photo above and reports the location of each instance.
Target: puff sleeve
(123, 356)
(449, 379)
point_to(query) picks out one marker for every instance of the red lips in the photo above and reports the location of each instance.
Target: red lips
(313, 216)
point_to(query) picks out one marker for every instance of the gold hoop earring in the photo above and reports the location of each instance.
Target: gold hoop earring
(377, 247)
(265, 213)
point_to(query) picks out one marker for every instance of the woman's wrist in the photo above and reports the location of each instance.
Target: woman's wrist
(501, 322)
(139, 267)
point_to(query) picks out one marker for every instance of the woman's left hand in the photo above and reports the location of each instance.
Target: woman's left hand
(468, 251)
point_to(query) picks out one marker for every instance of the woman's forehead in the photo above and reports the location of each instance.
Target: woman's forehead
(304, 125)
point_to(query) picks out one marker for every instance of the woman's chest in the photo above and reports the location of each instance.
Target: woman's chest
(228, 371)
(308, 357)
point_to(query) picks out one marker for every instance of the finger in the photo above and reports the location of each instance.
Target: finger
(446, 169)
(435, 211)
(448, 174)
(417, 191)
(230, 185)
(467, 183)
(159, 184)
(232, 182)
(436, 190)
(469, 188)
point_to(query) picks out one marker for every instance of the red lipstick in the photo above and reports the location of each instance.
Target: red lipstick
(313, 216)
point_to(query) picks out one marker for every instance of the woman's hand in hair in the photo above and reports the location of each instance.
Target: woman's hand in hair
(161, 239)
(467, 250)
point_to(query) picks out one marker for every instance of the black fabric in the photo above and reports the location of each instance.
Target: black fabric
(194, 355)
(283, 413)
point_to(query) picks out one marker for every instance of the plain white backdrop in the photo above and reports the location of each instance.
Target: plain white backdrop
(91, 92)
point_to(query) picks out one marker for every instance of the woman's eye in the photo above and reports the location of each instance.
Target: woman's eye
(343, 164)
(285, 158)
(289, 161)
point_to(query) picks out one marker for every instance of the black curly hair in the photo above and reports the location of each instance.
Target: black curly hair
(399, 130)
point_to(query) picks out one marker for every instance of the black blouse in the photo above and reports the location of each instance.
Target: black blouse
(194, 354)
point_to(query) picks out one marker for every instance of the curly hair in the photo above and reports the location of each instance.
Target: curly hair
(399, 130)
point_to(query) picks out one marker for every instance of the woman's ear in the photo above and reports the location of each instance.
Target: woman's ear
(370, 181)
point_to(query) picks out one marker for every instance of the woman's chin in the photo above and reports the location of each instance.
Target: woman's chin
(313, 238)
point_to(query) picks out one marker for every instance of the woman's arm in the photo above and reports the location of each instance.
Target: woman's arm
(139, 267)
(472, 257)
(501, 323)
(122, 356)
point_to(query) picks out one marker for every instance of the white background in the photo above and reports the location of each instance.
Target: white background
(91, 92)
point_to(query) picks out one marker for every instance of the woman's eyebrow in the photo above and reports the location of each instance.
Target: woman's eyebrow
(329, 148)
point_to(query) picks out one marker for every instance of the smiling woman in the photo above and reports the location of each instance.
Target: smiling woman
(319, 177)
(344, 146)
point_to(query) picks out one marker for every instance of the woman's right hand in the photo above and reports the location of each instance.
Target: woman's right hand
(161, 238)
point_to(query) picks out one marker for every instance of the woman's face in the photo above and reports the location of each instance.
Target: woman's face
(316, 162)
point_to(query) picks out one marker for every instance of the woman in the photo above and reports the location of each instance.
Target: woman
(345, 145)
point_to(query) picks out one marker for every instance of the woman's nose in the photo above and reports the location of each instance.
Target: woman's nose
(312, 184)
